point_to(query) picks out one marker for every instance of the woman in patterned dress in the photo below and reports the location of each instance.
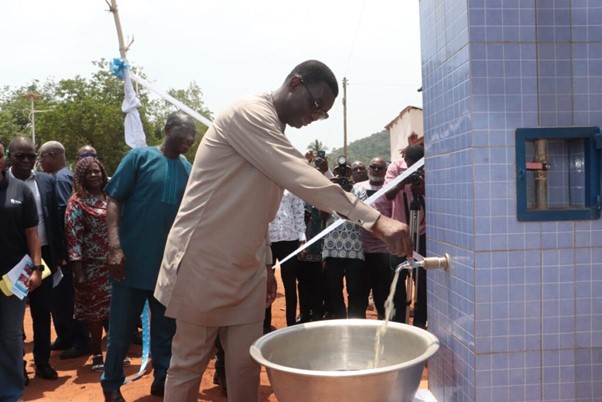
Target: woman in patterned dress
(88, 248)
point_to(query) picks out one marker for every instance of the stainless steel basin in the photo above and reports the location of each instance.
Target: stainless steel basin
(333, 360)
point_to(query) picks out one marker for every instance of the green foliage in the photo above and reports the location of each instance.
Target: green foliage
(15, 110)
(378, 144)
(159, 109)
(316, 145)
(88, 111)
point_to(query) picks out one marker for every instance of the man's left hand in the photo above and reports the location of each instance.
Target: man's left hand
(272, 287)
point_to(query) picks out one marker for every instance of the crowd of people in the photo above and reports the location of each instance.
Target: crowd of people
(351, 259)
(196, 242)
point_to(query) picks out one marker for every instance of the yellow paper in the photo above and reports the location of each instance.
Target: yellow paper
(6, 284)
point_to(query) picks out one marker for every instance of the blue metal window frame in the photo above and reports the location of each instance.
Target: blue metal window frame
(593, 144)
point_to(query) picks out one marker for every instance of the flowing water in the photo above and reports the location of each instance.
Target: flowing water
(381, 331)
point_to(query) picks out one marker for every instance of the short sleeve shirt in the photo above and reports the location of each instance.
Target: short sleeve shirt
(346, 240)
(149, 186)
(18, 212)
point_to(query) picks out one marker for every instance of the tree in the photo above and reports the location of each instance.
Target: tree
(158, 110)
(88, 111)
(316, 145)
(377, 144)
(15, 109)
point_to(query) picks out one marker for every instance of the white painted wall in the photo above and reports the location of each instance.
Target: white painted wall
(410, 119)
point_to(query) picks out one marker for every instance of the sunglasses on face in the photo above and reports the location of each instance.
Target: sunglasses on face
(21, 156)
(316, 104)
(87, 154)
(376, 167)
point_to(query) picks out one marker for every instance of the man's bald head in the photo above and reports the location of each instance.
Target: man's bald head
(52, 156)
(85, 151)
(20, 141)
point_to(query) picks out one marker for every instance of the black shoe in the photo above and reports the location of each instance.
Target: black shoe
(420, 325)
(219, 378)
(158, 387)
(25, 376)
(60, 344)
(137, 339)
(113, 396)
(73, 353)
(157, 390)
(46, 372)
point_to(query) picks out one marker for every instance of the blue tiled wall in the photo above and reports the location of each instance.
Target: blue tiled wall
(520, 314)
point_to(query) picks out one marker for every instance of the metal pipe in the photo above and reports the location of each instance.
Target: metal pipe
(427, 263)
(541, 175)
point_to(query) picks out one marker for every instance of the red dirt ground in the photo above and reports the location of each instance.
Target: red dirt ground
(78, 383)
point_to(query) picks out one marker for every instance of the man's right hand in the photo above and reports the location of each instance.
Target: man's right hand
(116, 263)
(395, 235)
(35, 280)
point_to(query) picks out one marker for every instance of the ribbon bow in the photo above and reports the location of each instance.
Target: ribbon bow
(118, 66)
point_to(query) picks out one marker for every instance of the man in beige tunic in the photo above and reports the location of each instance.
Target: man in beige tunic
(216, 276)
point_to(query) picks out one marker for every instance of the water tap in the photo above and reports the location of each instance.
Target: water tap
(426, 263)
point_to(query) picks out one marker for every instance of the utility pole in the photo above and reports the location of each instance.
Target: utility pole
(32, 96)
(345, 116)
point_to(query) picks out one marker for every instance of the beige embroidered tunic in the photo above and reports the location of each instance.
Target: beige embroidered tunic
(213, 271)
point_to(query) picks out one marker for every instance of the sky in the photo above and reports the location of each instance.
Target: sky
(231, 48)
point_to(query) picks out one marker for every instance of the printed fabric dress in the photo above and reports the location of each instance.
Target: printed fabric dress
(87, 241)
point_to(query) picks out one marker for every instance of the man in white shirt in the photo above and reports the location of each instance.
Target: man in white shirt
(287, 233)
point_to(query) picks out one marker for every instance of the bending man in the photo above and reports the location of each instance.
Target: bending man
(217, 262)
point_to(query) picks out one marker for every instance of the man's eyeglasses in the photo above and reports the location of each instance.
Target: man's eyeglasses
(87, 154)
(376, 167)
(21, 156)
(316, 104)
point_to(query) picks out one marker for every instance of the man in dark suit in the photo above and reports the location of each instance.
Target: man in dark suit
(72, 335)
(22, 156)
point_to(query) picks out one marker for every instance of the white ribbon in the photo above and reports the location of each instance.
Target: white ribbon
(172, 100)
(134, 132)
(370, 200)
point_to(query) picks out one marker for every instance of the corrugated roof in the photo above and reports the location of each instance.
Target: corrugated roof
(404, 111)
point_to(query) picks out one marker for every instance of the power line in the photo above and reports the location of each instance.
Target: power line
(357, 29)
(367, 84)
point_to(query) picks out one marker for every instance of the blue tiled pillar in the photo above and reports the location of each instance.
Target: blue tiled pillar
(520, 314)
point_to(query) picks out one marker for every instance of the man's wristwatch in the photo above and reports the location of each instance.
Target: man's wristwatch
(39, 268)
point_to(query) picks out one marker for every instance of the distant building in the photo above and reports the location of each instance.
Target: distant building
(405, 129)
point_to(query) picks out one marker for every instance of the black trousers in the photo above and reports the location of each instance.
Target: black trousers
(68, 330)
(40, 301)
(356, 282)
(311, 303)
(420, 310)
(377, 267)
(288, 272)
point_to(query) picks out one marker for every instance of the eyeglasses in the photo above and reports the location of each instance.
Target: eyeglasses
(316, 104)
(21, 156)
(376, 167)
(87, 154)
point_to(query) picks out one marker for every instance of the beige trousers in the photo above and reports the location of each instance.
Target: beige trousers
(191, 350)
